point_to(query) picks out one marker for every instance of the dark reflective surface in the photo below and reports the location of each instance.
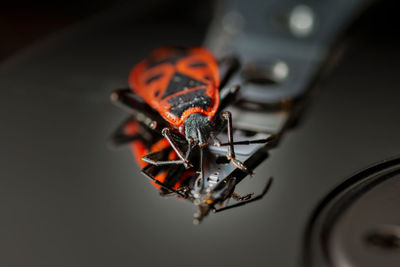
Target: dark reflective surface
(67, 200)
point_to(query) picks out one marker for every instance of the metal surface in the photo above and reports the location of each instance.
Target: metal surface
(358, 223)
(67, 200)
(280, 62)
(248, 154)
(287, 40)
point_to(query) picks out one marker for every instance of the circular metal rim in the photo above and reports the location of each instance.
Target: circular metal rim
(316, 236)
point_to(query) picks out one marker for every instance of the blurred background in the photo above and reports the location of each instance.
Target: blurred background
(67, 200)
(24, 22)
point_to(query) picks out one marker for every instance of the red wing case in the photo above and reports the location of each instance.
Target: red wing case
(140, 149)
(178, 82)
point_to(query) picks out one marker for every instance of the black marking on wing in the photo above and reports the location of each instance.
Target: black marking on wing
(197, 64)
(174, 175)
(182, 102)
(180, 82)
(153, 78)
(175, 55)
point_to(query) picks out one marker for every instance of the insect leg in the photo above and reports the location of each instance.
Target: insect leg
(238, 197)
(128, 100)
(153, 159)
(226, 115)
(199, 186)
(249, 142)
(167, 134)
(189, 150)
(146, 172)
(227, 67)
(119, 137)
(228, 96)
(258, 197)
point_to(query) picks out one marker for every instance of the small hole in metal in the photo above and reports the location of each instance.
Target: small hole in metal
(385, 237)
(222, 160)
(265, 73)
(247, 133)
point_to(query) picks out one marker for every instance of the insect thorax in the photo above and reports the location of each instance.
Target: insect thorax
(198, 128)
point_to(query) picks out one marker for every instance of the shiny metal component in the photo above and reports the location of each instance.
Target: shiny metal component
(280, 63)
(213, 179)
(299, 35)
(302, 21)
(269, 122)
(358, 224)
(266, 72)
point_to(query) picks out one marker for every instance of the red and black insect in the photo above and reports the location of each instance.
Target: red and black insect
(163, 177)
(176, 93)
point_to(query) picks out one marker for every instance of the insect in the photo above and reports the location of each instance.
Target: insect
(177, 98)
(168, 179)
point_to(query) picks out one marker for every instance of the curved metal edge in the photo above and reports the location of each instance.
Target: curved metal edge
(365, 178)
